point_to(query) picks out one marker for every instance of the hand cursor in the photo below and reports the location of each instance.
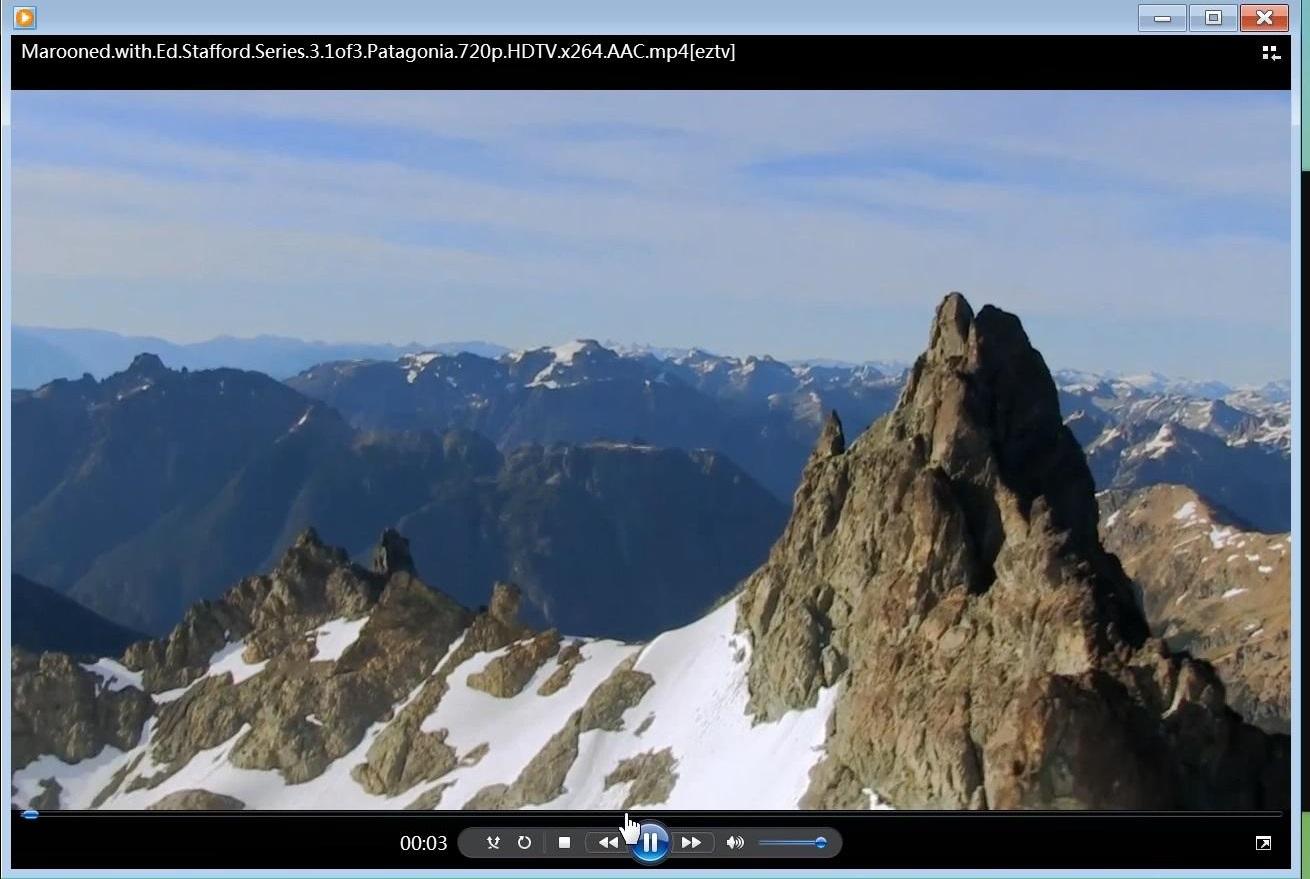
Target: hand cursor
(631, 831)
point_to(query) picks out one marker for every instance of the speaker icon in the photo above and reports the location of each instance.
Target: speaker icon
(735, 842)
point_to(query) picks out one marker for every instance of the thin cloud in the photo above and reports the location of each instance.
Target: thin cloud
(642, 216)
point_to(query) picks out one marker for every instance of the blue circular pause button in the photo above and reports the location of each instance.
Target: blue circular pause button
(652, 846)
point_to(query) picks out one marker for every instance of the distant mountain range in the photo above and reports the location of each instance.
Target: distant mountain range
(760, 412)
(556, 467)
(43, 354)
(1234, 451)
(145, 492)
(765, 414)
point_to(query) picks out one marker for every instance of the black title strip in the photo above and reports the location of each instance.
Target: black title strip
(1144, 61)
(417, 840)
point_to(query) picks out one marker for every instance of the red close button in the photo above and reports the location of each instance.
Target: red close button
(1264, 17)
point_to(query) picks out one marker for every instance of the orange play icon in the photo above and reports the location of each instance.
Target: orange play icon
(24, 16)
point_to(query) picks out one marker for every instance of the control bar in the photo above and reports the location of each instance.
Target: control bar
(500, 842)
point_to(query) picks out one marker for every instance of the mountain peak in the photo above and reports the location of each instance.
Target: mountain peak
(832, 440)
(944, 575)
(392, 555)
(984, 406)
(147, 365)
(308, 539)
(951, 327)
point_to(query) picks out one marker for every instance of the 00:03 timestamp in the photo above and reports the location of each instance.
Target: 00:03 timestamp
(423, 843)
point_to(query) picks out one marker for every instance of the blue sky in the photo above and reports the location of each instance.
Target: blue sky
(1130, 231)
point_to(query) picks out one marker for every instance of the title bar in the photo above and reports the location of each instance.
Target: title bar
(651, 62)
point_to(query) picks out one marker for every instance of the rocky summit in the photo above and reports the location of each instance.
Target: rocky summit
(1211, 587)
(943, 575)
(938, 627)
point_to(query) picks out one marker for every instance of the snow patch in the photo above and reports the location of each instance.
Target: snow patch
(1232, 592)
(334, 637)
(114, 675)
(1221, 537)
(169, 695)
(1158, 445)
(416, 363)
(80, 781)
(514, 729)
(876, 803)
(565, 353)
(228, 659)
(699, 705)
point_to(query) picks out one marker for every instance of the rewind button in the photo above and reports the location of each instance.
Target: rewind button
(605, 843)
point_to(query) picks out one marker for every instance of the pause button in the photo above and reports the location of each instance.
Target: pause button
(652, 845)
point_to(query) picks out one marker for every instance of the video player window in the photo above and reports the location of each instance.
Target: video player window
(465, 450)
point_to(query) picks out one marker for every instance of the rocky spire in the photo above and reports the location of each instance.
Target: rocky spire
(391, 555)
(946, 572)
(506, 599)
(832, 441)
(982, 402)
(308, 539)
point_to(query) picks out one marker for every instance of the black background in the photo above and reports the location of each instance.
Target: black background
(1141, 61)
(898, 840)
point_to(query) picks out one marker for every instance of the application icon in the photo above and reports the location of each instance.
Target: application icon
(1264, 843)
(24, 17)
(1265, 17)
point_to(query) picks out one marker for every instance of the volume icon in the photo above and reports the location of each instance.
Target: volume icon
(735, 842)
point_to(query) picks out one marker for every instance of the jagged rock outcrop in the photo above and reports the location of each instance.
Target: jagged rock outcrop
(1212, 588)
(650, 777)
(506, 675)
(832, 439)
(542, 780)
(295, 712)
(946, 570)
(568, 657)
(60, 708)
(404, 755)
(392, 554)
(197, 800)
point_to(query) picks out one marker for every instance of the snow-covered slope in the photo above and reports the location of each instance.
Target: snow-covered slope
(663, 743)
